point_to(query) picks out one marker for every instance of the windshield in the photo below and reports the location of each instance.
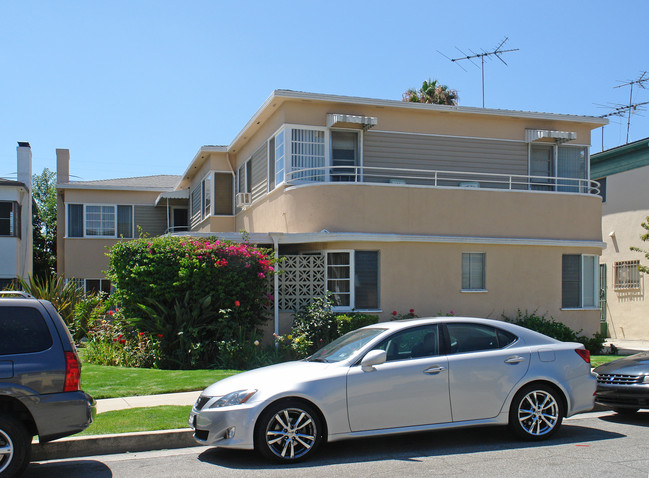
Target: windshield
(344, 347)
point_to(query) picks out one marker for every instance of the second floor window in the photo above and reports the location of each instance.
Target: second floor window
(99, 220)
(9, 219)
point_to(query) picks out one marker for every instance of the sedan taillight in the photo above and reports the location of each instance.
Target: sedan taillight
(72, 372)
(585, 354)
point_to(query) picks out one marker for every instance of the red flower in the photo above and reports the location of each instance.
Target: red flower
(122, 341)
(394, 312)
(114, 340)
(237, 303)
(110, 312)
(141, 333)
(120, 336)
(412, 311)
(160, 336)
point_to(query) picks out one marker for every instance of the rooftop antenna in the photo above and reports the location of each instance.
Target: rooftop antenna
(631, 107)
(485, 54)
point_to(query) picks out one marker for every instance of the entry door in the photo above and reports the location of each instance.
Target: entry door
(410, 389)
(179, 219)
(344, 156)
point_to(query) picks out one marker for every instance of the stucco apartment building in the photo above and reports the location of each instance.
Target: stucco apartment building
(388, 205)
(624, 175)
(16, 258)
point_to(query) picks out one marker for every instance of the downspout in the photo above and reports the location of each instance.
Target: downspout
(276, 287)
(168, 231)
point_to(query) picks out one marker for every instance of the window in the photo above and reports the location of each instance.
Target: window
(307, 153)
(23, 330)
(411, 343)
(353, 279)
(280, 157)
(550, 160)
(473, 337)
(206, 195)
(100, 220)
(344, 155)
(9, 218)
(579, 281)
(244, 177)
(473, 271)
(627, 275)
(271, 164)
(93, 286)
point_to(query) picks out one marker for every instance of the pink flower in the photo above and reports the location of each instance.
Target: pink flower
(261, 275)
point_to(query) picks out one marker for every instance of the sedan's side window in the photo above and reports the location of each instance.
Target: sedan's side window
(411, 343)
(474, 337)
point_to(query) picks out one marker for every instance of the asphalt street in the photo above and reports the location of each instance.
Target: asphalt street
(590, 445)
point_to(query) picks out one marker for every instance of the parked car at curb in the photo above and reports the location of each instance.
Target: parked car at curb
(39, 380)
(623, 384)
(396, 377)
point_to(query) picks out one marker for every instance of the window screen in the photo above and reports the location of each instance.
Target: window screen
(75, 220)
(473, 271)
(23, 330)
(571, 281)
(124, 221)
(366, 281)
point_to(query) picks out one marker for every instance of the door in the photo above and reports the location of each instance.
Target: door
(179, 219)
(409, 389)
(344, 156)
(482, 372)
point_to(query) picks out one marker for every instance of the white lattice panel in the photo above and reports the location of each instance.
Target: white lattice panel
(301, 278)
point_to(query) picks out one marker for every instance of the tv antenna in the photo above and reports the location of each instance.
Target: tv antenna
(485, 54)
(630, 108)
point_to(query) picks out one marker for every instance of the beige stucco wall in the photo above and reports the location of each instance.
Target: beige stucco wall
(427, 278)
(411, 210)
(626, 207)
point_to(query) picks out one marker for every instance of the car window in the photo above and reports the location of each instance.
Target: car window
(474, 337)
(411, 343)
(23, 330)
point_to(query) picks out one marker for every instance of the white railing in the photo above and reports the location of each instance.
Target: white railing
(433, 178)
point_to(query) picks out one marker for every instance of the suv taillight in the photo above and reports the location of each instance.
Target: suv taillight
(72, 372)
(585, 354)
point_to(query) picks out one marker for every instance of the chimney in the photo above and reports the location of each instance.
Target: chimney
(25, 164)
(62, 166)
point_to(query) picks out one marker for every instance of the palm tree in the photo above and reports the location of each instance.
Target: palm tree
(432, 92)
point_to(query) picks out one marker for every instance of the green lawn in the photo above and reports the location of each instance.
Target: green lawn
(167, 417)
(102, 381)
(596, 360)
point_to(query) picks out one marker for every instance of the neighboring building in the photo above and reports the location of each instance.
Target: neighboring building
(392, 206)
(624, 175)
(16, 220)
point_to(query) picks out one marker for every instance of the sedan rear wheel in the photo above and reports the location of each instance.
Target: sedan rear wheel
(536, 412)
(288, 432)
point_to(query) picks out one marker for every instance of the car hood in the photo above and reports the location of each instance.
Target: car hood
(288, 375)
(633, 365)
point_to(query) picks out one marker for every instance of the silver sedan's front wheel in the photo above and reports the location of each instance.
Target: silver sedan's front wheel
(288, 431)
(536, 412)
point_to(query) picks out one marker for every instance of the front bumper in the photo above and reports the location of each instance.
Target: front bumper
(225, 427)
(623, 396)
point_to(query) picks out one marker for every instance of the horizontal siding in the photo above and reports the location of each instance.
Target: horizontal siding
(195, 201)
(259, 172)
(152, 220)
(442, 153)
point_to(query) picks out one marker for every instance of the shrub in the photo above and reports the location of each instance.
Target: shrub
(87, 311)
(556, 330)
(63, 295)
(348, 322)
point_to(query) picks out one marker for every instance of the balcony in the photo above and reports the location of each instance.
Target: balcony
(440, 179)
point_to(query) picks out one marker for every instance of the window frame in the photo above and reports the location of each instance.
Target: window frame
(582, 284)
(484, 272)
(207, 182)
(85, 221)
(352, 278)
(555, 185)
(626, 268)
(14, 219)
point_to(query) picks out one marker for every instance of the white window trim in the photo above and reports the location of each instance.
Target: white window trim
(595, 284)
(209, 175)
(484, 273)
(352, 291)
(555, 159)
(85, 221)
(85, 216)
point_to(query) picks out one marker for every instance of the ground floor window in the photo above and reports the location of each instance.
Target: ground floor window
(473, 271)
(92, 286)
(627, 275)
(353, 279)
(579, 281)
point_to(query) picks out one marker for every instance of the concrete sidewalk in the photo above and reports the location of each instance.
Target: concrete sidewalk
(182, 398)
(627, 347)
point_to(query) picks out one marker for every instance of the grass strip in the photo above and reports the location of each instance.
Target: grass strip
(165, 417)
(597, 360)
(102, 381)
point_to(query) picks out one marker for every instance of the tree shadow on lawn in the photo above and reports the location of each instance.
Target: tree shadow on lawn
(410, 447)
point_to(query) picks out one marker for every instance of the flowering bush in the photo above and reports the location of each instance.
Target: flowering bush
(410, 315)
(111, 342)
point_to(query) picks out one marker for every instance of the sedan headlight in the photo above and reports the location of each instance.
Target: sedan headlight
(235, 398)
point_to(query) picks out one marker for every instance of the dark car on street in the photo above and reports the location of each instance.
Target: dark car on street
(39, 380)
(623, 384)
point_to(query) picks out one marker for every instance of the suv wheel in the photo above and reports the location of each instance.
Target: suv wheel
(15, 447)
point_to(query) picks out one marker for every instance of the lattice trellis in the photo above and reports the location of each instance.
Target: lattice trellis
(302, 277)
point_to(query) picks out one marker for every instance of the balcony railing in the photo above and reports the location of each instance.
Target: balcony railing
(436, 179)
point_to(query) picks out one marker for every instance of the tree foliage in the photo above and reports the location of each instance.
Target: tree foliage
(432, 92)
(44, 223)
(645, 238)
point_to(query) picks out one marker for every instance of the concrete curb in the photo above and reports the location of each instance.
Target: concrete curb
(110, 444)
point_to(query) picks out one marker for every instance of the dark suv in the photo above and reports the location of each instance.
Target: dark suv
(39, 380)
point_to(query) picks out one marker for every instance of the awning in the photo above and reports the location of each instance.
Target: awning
(179, 194)
(343, 120)
(532, 135)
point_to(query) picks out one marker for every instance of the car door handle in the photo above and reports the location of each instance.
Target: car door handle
(434, 370)
(515, 359)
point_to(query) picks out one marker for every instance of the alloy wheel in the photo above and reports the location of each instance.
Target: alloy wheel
(538, 413)
(6, 450)
(291, 433)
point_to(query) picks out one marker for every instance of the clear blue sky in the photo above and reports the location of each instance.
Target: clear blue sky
(134, 87)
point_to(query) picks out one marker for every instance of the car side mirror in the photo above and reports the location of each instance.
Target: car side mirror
(373, 357)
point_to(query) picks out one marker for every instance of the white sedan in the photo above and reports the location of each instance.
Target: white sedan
(396, 377)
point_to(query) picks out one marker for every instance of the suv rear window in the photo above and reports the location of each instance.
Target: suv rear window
(23, 330)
